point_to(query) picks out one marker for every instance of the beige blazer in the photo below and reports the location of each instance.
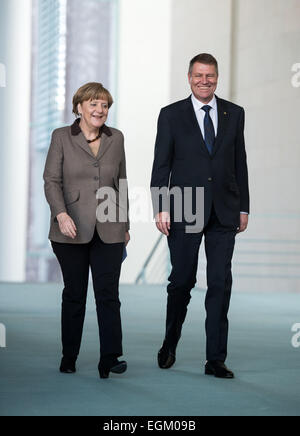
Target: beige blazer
(73, 176)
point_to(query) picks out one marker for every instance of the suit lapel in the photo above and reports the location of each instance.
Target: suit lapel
(223, 121)
(80, 140)
(104, 145)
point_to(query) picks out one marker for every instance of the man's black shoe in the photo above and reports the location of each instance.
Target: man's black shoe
(115, 366)
(218, 369)
(165, 358)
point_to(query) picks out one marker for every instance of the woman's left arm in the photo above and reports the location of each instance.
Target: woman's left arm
(123, 176)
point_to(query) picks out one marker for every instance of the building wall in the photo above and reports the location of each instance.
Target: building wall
(15, 55)
(199, 26)
(266, 47)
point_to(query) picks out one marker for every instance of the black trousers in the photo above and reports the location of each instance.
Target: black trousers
(105, 262)
(184, 249)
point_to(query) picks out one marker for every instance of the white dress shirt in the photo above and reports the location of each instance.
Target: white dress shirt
(200, 114)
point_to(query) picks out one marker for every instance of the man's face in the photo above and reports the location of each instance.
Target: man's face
(203, 80)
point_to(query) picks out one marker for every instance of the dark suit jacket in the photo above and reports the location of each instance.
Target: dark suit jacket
(182, 159)
(73, 176)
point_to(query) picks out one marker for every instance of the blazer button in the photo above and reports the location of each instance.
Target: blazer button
(96, 165)
(96, 178)
(210, 179)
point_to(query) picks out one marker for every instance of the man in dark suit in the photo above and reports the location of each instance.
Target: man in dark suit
(200, 143)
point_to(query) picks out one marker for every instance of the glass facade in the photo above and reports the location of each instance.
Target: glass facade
(73, 42)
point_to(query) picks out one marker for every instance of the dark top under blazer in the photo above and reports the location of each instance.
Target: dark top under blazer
(182, 159)
(72, 177)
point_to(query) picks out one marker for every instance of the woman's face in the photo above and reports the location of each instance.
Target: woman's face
(94, 112)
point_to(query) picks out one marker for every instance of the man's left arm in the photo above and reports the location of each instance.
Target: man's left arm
(241, 171)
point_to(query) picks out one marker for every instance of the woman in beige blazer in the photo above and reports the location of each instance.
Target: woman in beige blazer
(85, 162)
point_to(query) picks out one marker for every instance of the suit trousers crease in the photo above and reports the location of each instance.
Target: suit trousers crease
(105, 263)
(184, 250)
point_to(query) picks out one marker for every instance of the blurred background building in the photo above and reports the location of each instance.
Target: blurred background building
(140, 50)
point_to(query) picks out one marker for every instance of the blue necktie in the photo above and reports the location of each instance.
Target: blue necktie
(209, 131)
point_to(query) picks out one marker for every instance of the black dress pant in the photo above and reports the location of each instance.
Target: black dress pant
(105, 262)
(184, 249)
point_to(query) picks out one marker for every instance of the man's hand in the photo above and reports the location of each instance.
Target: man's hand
(243, 222)
(163, 222)
(66, 225)
(127, 238)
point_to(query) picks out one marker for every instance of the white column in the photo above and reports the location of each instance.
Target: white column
(14, 138)
(143, 88)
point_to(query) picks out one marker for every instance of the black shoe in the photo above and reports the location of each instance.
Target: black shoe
(115, 366)
(218, 369)
(166, 358)
(67, 365)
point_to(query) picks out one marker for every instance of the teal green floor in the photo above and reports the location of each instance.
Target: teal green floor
(266, 365)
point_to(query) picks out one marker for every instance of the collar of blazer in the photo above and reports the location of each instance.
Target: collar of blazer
(223, 120)
(80, 140)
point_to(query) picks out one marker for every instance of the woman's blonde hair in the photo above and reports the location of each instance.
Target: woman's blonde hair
(91, 91)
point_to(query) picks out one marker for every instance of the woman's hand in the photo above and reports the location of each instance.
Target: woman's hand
(127, 238)
(66, 225)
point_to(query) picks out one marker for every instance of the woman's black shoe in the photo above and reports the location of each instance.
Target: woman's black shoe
(67, 365)
(116, 367)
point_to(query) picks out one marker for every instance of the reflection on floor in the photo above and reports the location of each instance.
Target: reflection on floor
(260, 353)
